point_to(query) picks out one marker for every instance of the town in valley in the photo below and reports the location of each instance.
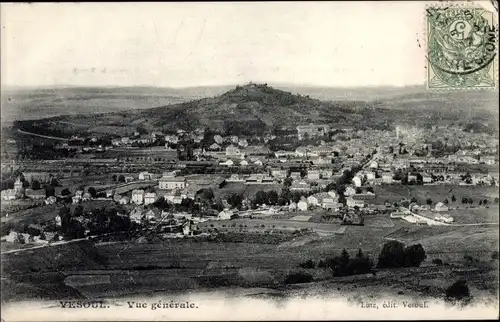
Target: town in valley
(224, 200)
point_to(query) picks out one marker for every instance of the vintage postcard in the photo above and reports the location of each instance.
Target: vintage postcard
(249, 161)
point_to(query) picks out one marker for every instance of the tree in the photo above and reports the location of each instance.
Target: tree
(49, 191)
(287, 182)
(370, 189)
(78, 211)
(92, 192)
(358, 190)
(272, 197)
(453, 198)
(391, 255)
(428, 201)
(458, 291)
(307, 264)
(54, 182)
(413, 200)
(414, 255)
(121, 178)
(260, 197)
(445, 201)
(113, 177)
(35, 185)
(235, 200)
(65, 192)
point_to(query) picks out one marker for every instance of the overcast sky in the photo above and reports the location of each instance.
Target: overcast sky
(190, 44)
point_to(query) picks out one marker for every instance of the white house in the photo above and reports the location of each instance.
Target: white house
(145, 176)
(350, 191)
(258, 162)
(332, 194)
(124, 200)
(312, 200)
(387, 177)
(136, 215)
(214, 147)
(76, 199)
(426, 178)
(170, 183)
(302, 205)
(351, 202)
(244, 163)
(292, 206)
(50, 200)
(373, 164)
(313, 174)
(225, 214)
(243, 143)
(370, 175)
(138, 196)
(150, 198)
(171, 138)
(228, 163)
(357, 181)
(440, 206)
(9, 194)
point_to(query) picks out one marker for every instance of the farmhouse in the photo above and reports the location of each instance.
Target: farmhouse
(279, 173)
(150, 198)
(259, 178)
(124, 200)
(300, 186)
(440, 206)
(387, 177)
(145, 176)
(138, 196)
(225, 214)
(302, 205)
(351, 202)
(169, 183)
(357, 181)
(50, 200)
(313, 174)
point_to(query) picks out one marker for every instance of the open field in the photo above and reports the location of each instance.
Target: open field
(182, 264)
(436, 193)
(452, 243)
(248, 191)
(475, 215)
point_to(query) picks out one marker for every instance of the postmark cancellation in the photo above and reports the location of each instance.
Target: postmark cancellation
(461, 48)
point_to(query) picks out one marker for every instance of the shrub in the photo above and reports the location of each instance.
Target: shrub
(307, 264)
(300, 277)
(414, 255)
(343, 265)
(437, 261)
(458, 292)
(494, 255)
(394, 254)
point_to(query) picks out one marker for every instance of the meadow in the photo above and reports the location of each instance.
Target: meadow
(436, 193)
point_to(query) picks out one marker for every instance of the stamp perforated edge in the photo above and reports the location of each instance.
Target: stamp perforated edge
(461, 4)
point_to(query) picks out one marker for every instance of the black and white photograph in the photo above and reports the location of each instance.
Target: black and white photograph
(227, 161)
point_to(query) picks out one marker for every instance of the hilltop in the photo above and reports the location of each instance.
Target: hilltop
(257, 108)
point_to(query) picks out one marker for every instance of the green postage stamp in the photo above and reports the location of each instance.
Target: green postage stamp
(461, 48)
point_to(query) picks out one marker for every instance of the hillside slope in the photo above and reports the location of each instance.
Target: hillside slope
(255, 109)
